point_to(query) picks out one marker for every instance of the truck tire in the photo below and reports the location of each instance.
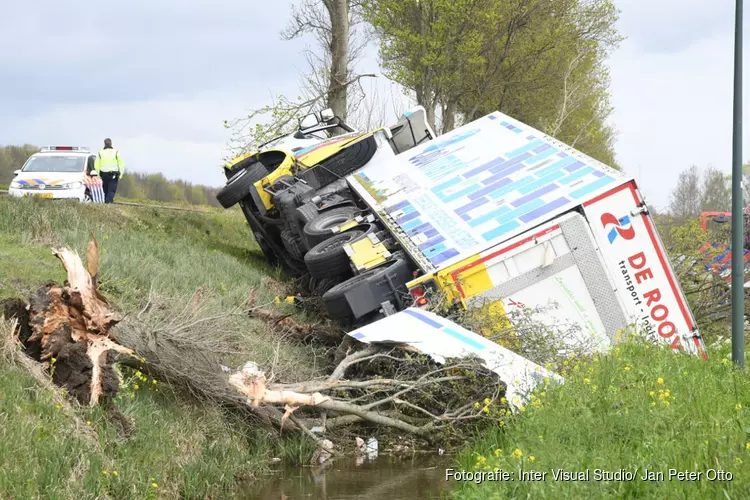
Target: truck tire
(292, 244)
(319, 229)
(351, 158)
(335, 298)
(365, 227)
(328, 259)
(300, 217)
(239, 185)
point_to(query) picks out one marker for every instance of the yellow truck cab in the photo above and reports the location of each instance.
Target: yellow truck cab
(390, 224)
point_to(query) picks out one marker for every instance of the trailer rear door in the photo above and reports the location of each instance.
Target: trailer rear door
(638, 263)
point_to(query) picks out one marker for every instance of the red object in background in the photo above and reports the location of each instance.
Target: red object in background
(722, 261)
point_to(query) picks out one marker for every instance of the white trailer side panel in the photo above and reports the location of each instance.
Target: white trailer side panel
(478, 186)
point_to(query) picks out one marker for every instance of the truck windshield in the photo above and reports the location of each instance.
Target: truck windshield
(54, 164)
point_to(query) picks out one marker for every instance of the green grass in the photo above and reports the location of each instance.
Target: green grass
(639, 407)
(186, 449)
(175, 253)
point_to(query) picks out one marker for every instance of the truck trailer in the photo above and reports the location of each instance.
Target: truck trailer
(495, 213)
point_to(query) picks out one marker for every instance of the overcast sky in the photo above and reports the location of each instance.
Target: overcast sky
(160, 77)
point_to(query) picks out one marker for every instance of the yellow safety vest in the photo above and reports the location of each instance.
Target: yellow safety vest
(108, 160)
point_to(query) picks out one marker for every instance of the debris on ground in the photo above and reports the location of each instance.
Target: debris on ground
(392, 387)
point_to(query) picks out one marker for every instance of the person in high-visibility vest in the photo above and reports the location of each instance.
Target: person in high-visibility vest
(110, 167)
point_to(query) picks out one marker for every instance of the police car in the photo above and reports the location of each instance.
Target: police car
(59, 172)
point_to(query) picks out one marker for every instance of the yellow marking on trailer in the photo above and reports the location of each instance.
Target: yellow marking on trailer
(348, 225)
(365, 254)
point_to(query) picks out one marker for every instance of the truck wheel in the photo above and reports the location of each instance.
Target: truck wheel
(335, 298)
(328, 259)
(239, 185)
(292, 244)
(351, 158)
(319, 229)
(365, 227)
(299, 219)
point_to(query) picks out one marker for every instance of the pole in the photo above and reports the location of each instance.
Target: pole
(738, 219)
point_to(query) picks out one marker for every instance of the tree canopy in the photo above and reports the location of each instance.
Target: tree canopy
(540, 61)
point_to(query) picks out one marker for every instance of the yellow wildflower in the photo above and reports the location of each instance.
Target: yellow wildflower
(499, 452)
(652, 394)
(747, 446)
(627, 368)
(587, 380)
(115, 473)
(738, 406)
(154, 485)
(104, 472)
(659, 380)
(477, 405)
(532, 459)
(517, 453)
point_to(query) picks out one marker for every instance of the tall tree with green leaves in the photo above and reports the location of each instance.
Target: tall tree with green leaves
(541, 61)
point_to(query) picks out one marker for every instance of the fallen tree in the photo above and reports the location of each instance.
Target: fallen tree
(70, 330)
(76, 335)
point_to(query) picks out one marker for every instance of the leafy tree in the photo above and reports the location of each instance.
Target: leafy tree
(13, 158)
(541, 61)
(686, 198)
(716, 195)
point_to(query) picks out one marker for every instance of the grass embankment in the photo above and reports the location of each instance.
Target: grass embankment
(179, 449)
(640, 407)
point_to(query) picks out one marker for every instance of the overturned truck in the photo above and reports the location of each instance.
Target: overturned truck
(396, 221)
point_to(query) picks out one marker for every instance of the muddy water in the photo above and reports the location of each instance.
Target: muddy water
(385, 478)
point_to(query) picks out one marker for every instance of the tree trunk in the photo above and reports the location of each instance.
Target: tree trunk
(337, 91)
(449, 117)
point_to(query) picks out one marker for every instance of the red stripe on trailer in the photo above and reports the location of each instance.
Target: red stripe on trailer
(503, 250)
(662, 259)
(608, 194)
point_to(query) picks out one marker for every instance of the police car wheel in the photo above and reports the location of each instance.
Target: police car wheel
(239, 185)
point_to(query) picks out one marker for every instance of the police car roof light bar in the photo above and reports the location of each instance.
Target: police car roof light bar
(64, 148)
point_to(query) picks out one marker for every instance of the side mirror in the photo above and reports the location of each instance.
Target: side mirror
(327, 115)
(16, 172)
(309, 121)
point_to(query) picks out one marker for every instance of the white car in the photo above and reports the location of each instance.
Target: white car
(57, 172)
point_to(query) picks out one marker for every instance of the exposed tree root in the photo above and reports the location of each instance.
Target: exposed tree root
(70, 330)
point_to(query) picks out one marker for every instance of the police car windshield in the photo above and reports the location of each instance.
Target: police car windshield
(54, 163)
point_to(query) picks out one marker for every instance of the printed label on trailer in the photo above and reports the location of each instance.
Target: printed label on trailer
(636, 259)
